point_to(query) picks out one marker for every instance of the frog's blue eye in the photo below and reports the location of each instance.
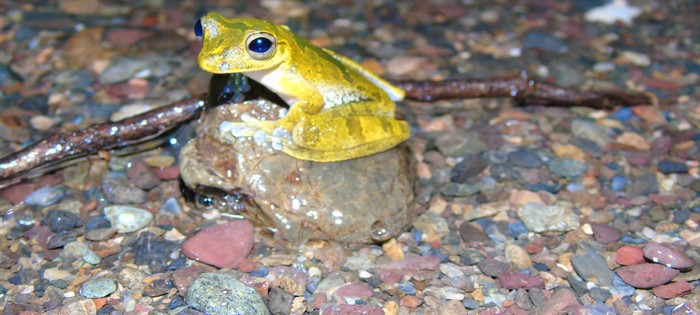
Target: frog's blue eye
(198, 30)
(261, 46)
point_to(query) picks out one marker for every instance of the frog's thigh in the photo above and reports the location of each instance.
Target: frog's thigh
(326, 138)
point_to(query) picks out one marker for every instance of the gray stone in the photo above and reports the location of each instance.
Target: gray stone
(97, 288)
(221, 294)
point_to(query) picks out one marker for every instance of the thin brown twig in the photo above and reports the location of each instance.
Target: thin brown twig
(101, 136)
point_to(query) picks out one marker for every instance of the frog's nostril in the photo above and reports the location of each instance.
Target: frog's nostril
(198, 30)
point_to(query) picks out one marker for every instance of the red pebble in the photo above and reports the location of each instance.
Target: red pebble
(646, 276)
(223, 245)
(167, 173)
(512, 280)
(667, 256)
(605, 234)
(629, 255)
(672, 290)
(345, 309)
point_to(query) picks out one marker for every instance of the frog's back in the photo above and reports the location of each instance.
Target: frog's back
(350, 80)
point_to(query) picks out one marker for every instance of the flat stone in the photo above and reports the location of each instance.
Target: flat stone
(672, 290)
(646, 276)
(664, 255)
(223, 245)
(98, 287)
(543, 218)
(605, 234)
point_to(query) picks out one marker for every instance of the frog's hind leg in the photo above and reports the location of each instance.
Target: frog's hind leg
(327, 137)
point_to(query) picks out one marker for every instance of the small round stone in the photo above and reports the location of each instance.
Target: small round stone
(60, 220)
(220, 294)
(127, 219)
(97, 288)
(44, 196)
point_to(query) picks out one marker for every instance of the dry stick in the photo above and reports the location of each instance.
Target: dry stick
(90, 140)
(522, 89)
(67, 145)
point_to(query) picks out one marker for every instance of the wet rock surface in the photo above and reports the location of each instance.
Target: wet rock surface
(357, 201)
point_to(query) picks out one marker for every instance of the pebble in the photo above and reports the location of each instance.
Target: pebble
(492, 267)
(646, 276)
(468, 168)
(512, 280)
(432, 226)
(351, 292)
(667, 166)
(562, 302)
(78, 250)
(567, 168)
(517, 256)
(629, 255)
(127, 219)
(60, 220)
(592, 267)
(544, 40)
(591, 131)
(611, 12)
(153, 251)
(486, 210)
(59, 240)
(343, 309)
(545, 218)
(99, 221)
(633, 141)
(97, 288)
(279, 301)
(142, 176)
(100, 234)
(222, 294)
(672, 290)
(605, 234)
(223, 245)
(45, 196)
(458, 144)
(472, 232)
(525, 158)
(118, 190)
(664, 255)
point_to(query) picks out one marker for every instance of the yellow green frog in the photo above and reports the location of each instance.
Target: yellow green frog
(338, 110)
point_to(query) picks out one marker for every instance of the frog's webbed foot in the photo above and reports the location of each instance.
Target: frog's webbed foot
(261, 132)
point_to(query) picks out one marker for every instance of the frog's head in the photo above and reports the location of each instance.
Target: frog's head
(240, 45)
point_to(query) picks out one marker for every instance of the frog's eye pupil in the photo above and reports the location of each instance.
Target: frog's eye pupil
(260, 45)
(198, 30)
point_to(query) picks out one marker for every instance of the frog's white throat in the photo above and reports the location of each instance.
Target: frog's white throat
(271, 79)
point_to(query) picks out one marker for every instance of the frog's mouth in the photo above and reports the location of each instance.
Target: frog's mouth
(236, 88)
